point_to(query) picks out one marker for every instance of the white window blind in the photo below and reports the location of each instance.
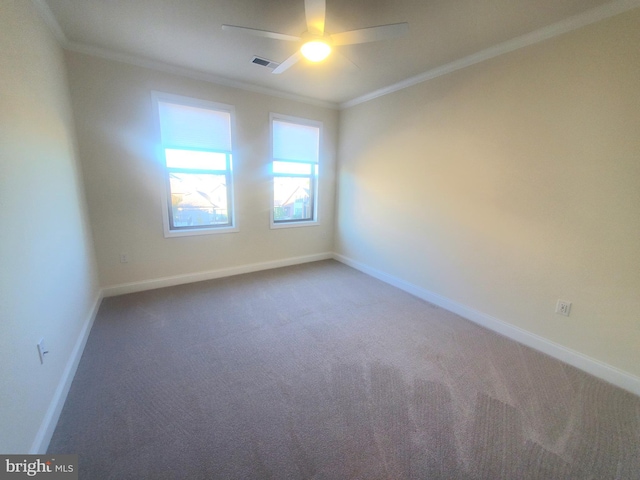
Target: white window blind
(195, 147)
(193, 127)
(294, 142)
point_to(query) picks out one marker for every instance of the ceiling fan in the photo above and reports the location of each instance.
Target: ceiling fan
(315, 43)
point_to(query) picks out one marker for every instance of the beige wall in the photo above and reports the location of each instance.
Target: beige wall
(502, 187)
(48, 282)
(510, 184)
(117, 140)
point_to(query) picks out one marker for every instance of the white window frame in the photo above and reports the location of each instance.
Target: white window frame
(166, 196)
(315, 175)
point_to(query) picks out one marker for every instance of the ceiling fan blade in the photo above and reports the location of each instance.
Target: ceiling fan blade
(289, 62)
(370, 34)
(315, 13)
(261, 33)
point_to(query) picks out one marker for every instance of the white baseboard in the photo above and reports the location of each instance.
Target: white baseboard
(590, 365)
(209, 275)
(48, 425)
(599, 369)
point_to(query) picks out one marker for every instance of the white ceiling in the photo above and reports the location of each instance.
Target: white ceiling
(187, 34)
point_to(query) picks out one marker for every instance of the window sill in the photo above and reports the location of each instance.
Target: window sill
(199, 231)
(305, 223)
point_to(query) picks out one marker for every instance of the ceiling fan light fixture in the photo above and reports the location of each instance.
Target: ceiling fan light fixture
(315, 50)
(316, 43)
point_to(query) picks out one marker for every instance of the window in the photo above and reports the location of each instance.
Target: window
(295, 151)
(195, 140)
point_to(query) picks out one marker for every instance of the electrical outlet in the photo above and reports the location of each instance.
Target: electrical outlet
(563, 307)
(124, 258)
(42, 350)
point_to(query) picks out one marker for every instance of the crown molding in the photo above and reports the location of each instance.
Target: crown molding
(572, 23)
(191, 73)
(50, 20)
(589, 17)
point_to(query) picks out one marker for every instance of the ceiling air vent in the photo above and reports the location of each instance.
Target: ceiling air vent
(264, 62)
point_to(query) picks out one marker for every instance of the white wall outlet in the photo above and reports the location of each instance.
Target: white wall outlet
(42, 350)
(124, 258)
(563, 307)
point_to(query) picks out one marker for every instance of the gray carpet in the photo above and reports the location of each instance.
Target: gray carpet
(320, 372)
